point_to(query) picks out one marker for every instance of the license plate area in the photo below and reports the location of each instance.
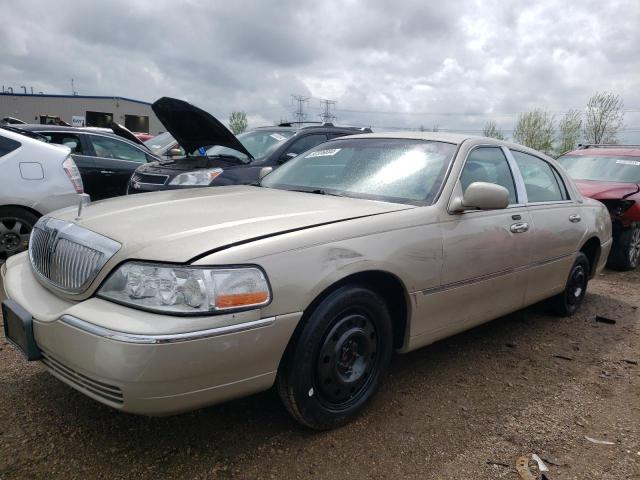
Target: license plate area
(18, 329)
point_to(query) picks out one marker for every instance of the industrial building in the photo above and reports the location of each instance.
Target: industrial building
(80, 110)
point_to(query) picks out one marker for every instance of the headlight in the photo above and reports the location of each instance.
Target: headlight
(186, 290)
(197, 177)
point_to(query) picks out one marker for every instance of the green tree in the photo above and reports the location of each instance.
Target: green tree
(604, 117)
(491, 130)
(569, 131)
(535, 129)
(238, 122)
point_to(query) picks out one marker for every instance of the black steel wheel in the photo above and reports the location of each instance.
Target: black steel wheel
(568, 302)
(15, 229)
(346, 359)
(337, 359)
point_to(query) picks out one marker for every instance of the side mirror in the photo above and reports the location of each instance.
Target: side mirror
(287, 156)
(264, 171)
(482, 196)
(174, 152)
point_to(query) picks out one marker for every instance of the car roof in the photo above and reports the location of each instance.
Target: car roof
(37, 127)
(314, 128)
(607, 150)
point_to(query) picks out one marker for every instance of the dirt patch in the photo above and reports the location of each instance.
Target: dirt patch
(462, 408)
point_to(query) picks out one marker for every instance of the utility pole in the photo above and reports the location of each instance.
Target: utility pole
(73, 89)
(299, 111)
(327, 115)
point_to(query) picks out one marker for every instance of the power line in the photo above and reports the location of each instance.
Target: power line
(460, 114)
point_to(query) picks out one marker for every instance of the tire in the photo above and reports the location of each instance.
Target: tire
(334, 367)
(15, 229)
(625, 252)
(568, 302)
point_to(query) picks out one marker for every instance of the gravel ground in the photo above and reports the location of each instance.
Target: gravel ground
(466, 407)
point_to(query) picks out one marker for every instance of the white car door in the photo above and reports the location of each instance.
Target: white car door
(557, 226)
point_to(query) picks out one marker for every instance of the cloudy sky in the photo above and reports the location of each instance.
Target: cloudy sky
(402, 64)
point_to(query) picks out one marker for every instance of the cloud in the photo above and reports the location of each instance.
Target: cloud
(403, 64)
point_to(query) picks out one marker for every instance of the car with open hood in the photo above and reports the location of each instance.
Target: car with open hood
(611, 174)
(199, 151)
(174, 300)
(106, 157)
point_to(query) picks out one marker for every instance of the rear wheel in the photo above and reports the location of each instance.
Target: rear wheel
(625, 252)
(337, 362)
(568, 302)
(15, 228)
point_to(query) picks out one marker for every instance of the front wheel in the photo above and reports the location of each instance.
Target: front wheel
(625, 252)
(337, 362)
(568, 302)
(15, 228)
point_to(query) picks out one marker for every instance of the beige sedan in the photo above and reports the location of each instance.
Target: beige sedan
(170, 301)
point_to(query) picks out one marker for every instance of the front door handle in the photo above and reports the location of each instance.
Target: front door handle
(575, 218)
(107, 172)
(520, 227)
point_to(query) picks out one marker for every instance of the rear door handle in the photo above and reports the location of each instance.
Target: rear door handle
(575, 218)
(520, 227)
(107, 172)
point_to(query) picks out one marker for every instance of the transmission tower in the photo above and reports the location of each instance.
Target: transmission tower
(327, 115)
(299, 111)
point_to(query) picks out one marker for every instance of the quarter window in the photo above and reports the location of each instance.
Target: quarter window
(488, 164)
(106, 147)
(8, 145)
(541, 180)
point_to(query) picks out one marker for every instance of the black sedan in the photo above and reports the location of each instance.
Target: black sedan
(106, 158)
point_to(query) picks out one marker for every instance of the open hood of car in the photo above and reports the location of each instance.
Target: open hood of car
(193, 128)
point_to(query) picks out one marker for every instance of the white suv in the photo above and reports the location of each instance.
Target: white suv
(35, 178)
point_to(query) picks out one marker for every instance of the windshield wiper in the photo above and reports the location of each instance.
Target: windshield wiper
(317, 191)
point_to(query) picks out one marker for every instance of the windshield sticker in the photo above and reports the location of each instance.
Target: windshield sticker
(628, 162)
(202, 151)
(324, 153)
(278, 137)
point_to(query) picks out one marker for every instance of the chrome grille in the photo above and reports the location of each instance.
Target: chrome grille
(67, 256)
(110, 393)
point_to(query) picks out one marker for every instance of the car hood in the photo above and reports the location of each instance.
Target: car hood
(606, 190)
(179, 225)
(194, 128)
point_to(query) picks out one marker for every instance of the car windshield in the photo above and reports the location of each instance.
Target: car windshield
(259, 143)
(602, 168)
(159, 143)
(391, 170)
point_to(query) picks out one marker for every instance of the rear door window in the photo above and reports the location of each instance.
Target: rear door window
(63, 138)
(107, 147)
(542, 182)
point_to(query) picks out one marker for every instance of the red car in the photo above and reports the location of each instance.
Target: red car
(611, 174)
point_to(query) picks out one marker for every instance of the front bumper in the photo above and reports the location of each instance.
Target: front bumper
(147, 373)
